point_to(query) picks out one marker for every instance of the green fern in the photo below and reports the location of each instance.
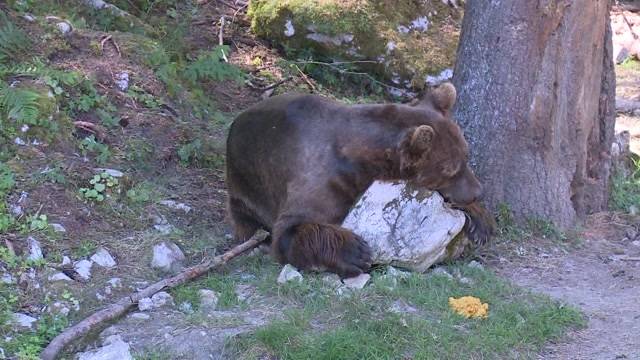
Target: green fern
(13, 41)
(19, 105)
(211, 66)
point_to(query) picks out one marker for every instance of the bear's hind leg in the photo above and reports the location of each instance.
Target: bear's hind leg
(322, 246)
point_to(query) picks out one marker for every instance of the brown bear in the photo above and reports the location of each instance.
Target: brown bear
(296, 164)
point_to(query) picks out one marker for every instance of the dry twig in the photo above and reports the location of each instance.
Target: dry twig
(121, 307)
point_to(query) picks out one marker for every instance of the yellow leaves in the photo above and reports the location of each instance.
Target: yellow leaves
(469, 307)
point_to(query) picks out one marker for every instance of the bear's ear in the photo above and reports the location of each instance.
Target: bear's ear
(421, 139)
(442, 98)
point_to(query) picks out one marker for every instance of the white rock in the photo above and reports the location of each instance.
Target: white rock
(404, 227)
(58, 228)
(113, 172)
(476, 265)
(332, 280)
(445, 75)
(403, 29)
(35, 251)
(145, 304)
(440, 271)
(164, 229)
(114, 349)
(7, 279)
(29, 17)
(83, 268)
(66, 260)
(289, 273)
(208, 299)
(420, 24)
(59, 307)
(23, 321)
(19, 141)
(186, 307)
(140, 316)
(176, 205)
(103, 258)
(16, 210)
(59, 277)
(635, 243)
(100, 296)
(161, 299)
(167, 257)
(357, 282)
(289, 30)
(64, 27)
(122, 81)
(115, 282)
(395, 273)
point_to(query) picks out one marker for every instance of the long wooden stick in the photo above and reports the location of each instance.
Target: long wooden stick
(121, 307)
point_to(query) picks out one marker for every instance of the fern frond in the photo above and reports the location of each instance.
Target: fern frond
(13, 41)
(19, 105)
(210, 66)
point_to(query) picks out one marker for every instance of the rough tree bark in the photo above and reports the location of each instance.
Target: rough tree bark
(536, 101)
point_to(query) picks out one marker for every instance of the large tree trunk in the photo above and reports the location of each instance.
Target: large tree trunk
(536, 100)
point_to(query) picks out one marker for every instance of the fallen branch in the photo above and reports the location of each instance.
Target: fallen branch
(121, 307)
(276, 84)
(305, 78)
(221, 38)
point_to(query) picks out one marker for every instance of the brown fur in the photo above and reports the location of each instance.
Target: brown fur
(297, 163)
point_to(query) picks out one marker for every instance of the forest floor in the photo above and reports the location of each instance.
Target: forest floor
(164, 134)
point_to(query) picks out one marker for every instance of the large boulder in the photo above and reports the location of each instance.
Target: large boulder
(406, 227)
(405, 41)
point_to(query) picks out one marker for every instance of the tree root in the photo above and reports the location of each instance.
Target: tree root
(123, 305)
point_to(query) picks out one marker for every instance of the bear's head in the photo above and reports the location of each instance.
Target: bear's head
(435, 155)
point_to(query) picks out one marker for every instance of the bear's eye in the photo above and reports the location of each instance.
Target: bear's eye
(450, 170)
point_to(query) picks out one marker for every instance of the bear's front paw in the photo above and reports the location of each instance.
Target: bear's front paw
(352, 258)
(480, 226)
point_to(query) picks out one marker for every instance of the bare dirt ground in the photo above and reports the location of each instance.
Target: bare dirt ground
(600, 277)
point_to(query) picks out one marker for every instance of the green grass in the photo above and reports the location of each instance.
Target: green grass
(361, 326)
(625, 189)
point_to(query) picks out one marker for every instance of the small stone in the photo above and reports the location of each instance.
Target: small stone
(100, 296)
(633, 210)
(145, 304)
(186, 307)
(140, 316)
(476, 265)
(401, 307)
(35, 250)
(394, 272)
(465, 280)
(440, 271)
(357, 282)
(59, 277)
(7, 279)
(29, 18)
(635, 243)
(16, 210)
(112, 172)
(83, 268)
(332, 280)
(208, 299)
(289, 273)
(103, 258)
(114, 349)
(289, 30)
(164, 229)
(58, 228)
(243, 292)
(176, 205)
(161, 299)
(66, 260)
(59, 307)
(64, 27)
(122, 80)
(115, 282)
(167, 257)
(23, 321)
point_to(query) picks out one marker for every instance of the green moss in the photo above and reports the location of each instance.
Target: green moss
(372, 24)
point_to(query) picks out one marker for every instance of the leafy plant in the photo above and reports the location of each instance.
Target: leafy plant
(101, 185)
(91, 145)
(140, 95)
(211, 66)
(625, 188)
(35, 223)
(13, 41)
